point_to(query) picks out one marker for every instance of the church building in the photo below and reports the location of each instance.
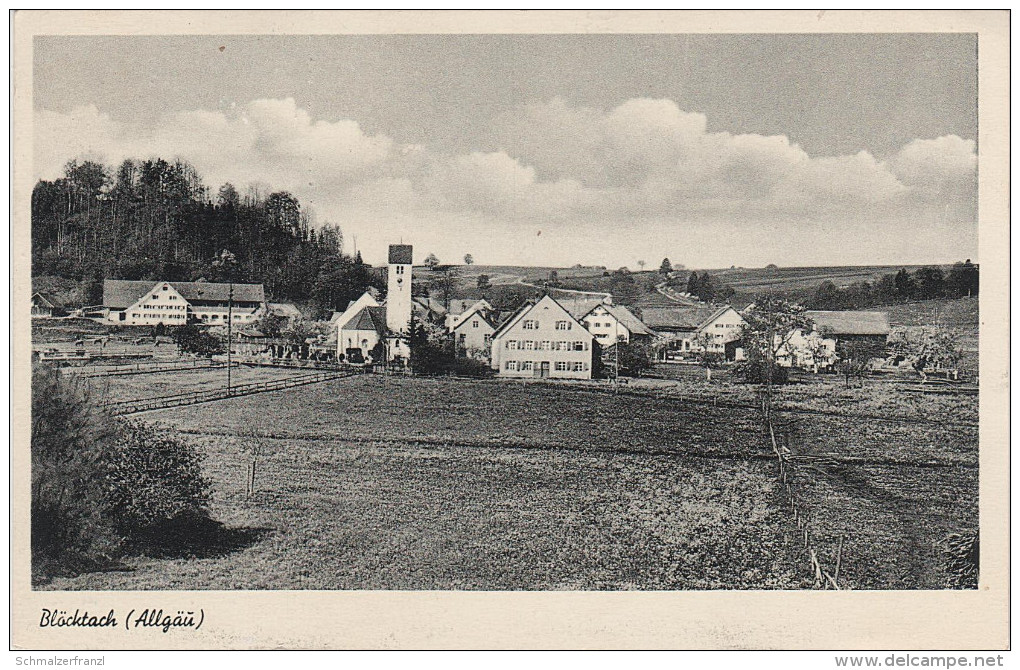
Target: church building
(366, 322)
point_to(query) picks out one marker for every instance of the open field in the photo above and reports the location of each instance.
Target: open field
(412, 483)
(156, 384)
(398, 482)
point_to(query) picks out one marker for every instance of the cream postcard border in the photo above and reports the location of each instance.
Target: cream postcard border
(549, 620)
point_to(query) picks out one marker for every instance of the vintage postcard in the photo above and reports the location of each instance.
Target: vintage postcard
(682, 330)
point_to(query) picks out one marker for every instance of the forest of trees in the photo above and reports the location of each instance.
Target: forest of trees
(926, 283)
(156, 220)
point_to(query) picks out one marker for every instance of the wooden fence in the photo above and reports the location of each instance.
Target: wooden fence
(150, 367)
(122, 407)
(824, 579)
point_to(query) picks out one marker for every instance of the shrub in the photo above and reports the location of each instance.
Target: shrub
(100, 485)
(963, 560)
(72, 445)
(154, 480)
(754, 372)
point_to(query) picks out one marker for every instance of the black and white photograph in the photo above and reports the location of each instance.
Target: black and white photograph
(505, 312)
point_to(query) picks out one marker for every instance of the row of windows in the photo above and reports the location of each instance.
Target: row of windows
(164, 307)
(560, 366)
(532, 324)
(173, 317)
(546, 345)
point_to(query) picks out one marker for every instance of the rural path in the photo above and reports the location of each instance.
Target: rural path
(595, 294)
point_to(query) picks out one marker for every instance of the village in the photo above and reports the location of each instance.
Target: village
(575, 337)
(410, 367)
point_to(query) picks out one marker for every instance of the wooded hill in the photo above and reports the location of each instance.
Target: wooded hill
(155, 219)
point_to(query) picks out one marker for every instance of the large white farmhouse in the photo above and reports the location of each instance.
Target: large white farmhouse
(147, 303)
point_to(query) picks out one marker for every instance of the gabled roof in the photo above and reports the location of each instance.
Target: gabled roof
(527, 307)
(369, 318)
(489, 317)
(284, 309)
(122, 293)
(849, 322)
(431, 304)
(579, 307)
(46, 299)
(677, 318)
(716, 314)
(625, 317)
(460, 305)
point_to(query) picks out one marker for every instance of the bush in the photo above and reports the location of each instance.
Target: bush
(72, 447)
(154, 480)
(100, 485)
(754, 372)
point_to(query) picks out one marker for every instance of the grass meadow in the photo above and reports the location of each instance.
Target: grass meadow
(378, 482)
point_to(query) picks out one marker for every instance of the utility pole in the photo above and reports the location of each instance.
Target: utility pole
(616, 354)
(230, 323)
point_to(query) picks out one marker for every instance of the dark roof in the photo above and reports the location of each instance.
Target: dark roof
(431, 304)
(579, 307)
(850, 323)
(369, 318)
(676, 318)
(46, 299)
(122, 293)
(400, 254)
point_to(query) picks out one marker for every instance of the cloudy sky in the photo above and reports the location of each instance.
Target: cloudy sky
(711, 150)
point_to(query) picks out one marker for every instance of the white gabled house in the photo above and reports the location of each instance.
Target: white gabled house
(147, 303)
(615, 323)
(543, 339)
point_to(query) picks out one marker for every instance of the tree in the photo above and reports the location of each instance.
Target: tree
(666, 267)
(431, 261)
(193, 339)
(483, 282)
(855, 358)
(641, 265)
(468, 259)
(963, 280)
(705, 353)
(905, 285)
(927, 347)
(270, 325)
(635, 358)
(693, 287)
(554, 277)
(930, 282)
(706, 288)
(770, 324)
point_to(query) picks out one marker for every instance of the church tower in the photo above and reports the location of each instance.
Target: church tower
(398, 289)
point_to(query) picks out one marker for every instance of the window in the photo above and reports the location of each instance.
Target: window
(511, 344)
(561, 366)
(546, 345)
(530, 324)
(488, 339)
(579, 346)
(474, 324)
(400, 269)
(563, 346)
(528, 365)
(529, 344)
(563, 325)
(164, 288)
(511, 365)
(578, 366)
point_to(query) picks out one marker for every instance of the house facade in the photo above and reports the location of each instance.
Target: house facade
(146, 303)
(819, 348)
(543, 340)
(691, 330)
(615, 323)
(45, 305)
